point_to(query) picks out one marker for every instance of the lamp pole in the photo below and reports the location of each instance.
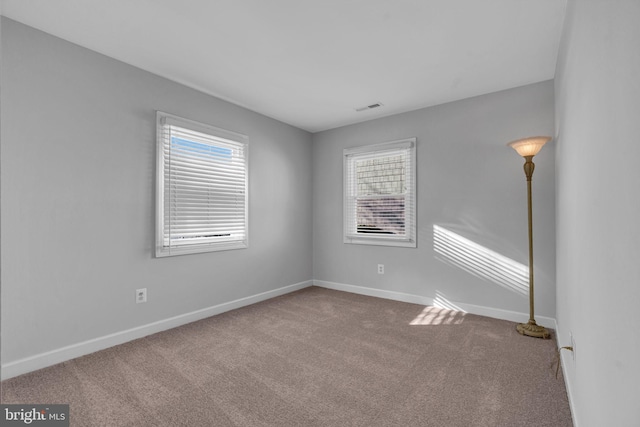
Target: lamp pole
(528, 148)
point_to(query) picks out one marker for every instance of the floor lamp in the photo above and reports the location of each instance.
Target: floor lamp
(527, 148)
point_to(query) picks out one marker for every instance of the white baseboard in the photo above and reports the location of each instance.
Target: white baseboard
(372, 292)
(43, 360)
(63, 354)
(567, 358)
(497, 313)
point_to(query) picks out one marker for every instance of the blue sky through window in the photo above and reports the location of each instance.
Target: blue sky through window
(201, 148)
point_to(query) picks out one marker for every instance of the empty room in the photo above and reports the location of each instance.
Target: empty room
(320, 213)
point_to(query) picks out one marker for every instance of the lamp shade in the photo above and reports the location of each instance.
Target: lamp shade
(529, 146)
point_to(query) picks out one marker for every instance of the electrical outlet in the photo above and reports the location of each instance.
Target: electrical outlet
(141, 295)
(573, 346)
(380, 268)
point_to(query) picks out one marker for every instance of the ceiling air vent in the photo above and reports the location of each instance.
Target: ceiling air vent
(370, 107)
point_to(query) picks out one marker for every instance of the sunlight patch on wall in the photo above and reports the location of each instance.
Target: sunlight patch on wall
(442, 302)
(480, 261)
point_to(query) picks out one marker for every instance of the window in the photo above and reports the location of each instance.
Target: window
(201, 199)
(379, 194)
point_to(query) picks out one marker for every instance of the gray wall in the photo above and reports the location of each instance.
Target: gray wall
(469, 183)
(78, 155)
(598, 209)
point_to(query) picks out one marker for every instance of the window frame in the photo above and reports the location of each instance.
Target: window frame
(350, 155)
(228, 138)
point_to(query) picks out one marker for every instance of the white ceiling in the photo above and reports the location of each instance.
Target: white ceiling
(311, 63)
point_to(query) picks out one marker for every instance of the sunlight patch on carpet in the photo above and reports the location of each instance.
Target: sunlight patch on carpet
(438, 316)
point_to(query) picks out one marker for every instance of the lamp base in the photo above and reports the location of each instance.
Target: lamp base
(532, 329)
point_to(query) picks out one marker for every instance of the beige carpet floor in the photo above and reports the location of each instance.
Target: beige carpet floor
(315, 357)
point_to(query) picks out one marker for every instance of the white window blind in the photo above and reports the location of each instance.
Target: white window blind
(379, 194)
(202, 188)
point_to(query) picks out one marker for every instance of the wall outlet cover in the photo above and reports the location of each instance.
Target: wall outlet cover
(141, 295)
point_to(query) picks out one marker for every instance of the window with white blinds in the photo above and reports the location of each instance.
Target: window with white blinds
(380, 194)
(201, 200)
